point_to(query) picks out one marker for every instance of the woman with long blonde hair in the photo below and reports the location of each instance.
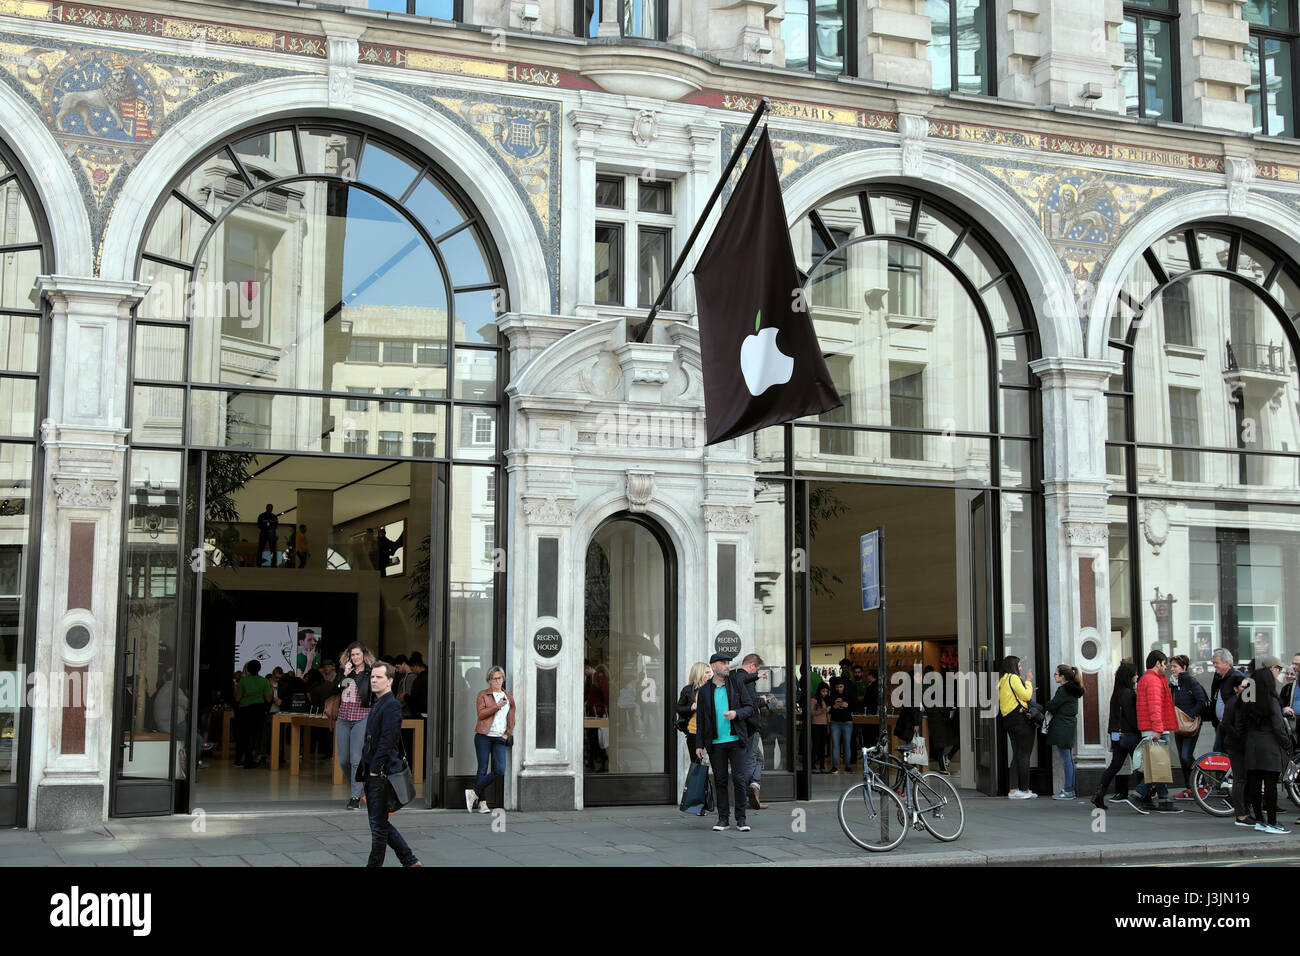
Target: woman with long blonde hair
(698, 677)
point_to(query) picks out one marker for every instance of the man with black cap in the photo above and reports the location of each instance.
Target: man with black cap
(722, 711)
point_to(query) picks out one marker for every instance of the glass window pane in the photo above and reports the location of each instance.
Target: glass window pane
(1128, 74)
(1017, 529)
(177, 232)
(18, 278)
(625, 642)
(641, 19)
(652, 265)
(152, 613)
(1017, 463)
(1253, 97)
(330, 152)
(17, 406)
(939, 50)
(442, 9)
(829, 37)
(385, 170)
(466, 259)
(476, 433)
(213, 184)
(15, 596)
(655, 197)
(1269, 13)
(609, 192)
(1158, 68)
(471, 602)
(943, 459)
(1278, 79)
(268, 155)
(19, 226)
(770, 566)
(973, 47)
(20, 343)
(168, 289)
(1013, 360)
(157, 415)
(476, 375)
(609, 264)
(476, 315)
(769, 449)
(435, 210)
(794, 33)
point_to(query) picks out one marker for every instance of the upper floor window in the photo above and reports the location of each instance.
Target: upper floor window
(1274, 36)
(961, 45)
(440, 9)
(636, 227)
(820, 35)
(646, 19)
(1150, 73)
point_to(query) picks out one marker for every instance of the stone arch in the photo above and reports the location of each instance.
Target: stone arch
(56, 188)
(416, 124)
(1017, 233)
(1259, 215)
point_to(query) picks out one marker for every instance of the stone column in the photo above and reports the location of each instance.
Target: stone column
(81, 532)
(580, 295)
(1049, 52)
(315, 510)
(892, 37)
(1213, 37)
(609, 25)
(1075, 492)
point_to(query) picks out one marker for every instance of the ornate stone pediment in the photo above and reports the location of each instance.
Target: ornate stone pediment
(727, 517)
(550, 510)
(85, 491)
(1088, 534)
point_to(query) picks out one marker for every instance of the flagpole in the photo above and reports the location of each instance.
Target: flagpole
(640, 332)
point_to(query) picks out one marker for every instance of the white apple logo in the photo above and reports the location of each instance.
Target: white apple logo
(761, 362)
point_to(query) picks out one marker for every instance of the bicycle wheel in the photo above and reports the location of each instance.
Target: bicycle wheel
(1212, 785)
(875, 819)
(1290, 785)
(939, 807)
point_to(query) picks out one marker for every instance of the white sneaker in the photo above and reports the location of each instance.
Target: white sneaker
(483, 807)
(1029, 794)
(470, 799)
(1018, 795)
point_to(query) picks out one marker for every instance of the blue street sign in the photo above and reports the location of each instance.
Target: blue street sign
(870, 571)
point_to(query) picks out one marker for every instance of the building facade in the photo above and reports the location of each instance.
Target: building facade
(372, 271)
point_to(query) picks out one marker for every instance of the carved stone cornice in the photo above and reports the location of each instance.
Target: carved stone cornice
(550, 510)
(84, 491)
(1087, 534)
(914, 129)
(727, 517)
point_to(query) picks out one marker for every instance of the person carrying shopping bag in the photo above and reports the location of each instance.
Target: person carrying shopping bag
(1157, 722)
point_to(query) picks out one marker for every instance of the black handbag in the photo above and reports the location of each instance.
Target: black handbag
(400, 785)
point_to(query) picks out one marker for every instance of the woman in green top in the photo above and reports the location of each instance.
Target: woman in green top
(252, 698)
(1064, 708)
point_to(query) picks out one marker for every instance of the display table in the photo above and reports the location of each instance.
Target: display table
(298, 723)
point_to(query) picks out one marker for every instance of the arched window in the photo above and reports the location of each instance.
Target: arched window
(25, 253)
(1204, 448)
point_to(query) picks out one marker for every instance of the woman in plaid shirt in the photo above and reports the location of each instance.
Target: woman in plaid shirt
(354, 710)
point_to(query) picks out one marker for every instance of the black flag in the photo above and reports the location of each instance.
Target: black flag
(762, 363)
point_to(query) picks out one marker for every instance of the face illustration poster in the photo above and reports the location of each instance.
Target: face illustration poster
(271, 643)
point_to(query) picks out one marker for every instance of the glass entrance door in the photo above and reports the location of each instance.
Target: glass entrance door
(984, 734)
(629, 653)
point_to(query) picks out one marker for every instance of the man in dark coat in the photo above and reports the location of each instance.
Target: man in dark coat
(1222, 661)
(382, 754)
(722, 714)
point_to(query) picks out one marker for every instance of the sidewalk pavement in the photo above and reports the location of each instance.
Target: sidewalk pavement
(998, 832)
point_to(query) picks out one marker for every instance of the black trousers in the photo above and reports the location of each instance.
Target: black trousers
(1021, 733)
(248, 731)
(820, 740)
(692, 744)
(720, 757)
(1120, 750)
(1261, 789)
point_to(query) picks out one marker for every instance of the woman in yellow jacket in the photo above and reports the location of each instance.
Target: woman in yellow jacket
(1014, 694)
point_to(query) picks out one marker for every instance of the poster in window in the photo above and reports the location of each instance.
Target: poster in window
(270, 643)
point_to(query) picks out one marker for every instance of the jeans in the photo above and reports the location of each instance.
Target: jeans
(841, 736)
(382, 833)
(1120, 750)
(720, 757)
(1021, 733)
(1066, 756)
(754, 761)
(1239, 777)
(351, 738)
(483, 747)
(1186, 757)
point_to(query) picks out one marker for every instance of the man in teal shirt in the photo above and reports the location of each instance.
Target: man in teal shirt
(720, 714)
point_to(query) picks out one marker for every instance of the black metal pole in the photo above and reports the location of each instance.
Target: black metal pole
(882, 698)
(641, 331)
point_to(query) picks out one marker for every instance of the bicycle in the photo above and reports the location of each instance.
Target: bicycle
(1211, 783)
(874, 808)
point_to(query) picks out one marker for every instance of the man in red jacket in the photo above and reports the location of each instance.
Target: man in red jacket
(1156, 720)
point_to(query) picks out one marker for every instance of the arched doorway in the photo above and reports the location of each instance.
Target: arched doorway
(315, 451)
(928, 335)
(630, 640)
(25, 251)
(1203, 453)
